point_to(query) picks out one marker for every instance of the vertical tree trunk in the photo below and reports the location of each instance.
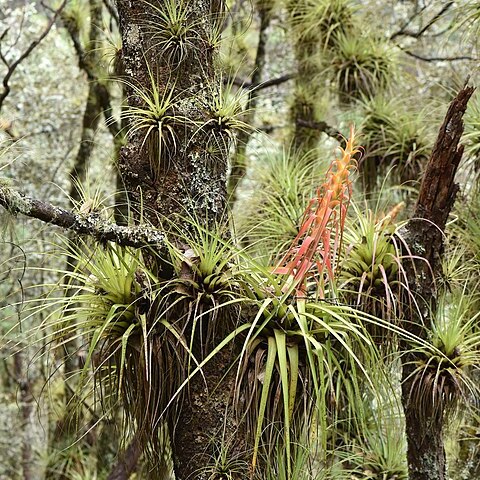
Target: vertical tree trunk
(305, 96)
(424, 237)
(239, 160)
(26, 403)
(188, 178)
(78, 175)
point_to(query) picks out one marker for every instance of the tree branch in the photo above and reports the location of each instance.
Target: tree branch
(260, 85)
(272, 82)
(404, 32)
(13, 66)
(92, 224)
(322, 127)
(437, 59)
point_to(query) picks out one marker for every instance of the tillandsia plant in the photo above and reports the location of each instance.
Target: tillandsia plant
(315, 26)
(318, 23)
(171, 28)
(397, 140)
(301, 341)
(319, 239)
(361, 65)
(108, 303)
(152, 115)
(448, 364)
(370, 270)
(224, 107)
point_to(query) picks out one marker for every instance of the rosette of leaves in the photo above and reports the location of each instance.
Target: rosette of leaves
(319, 22)
(205, 261)
(172, 29)
(300, 350)
(447, 365)
(371, 265)
(394, 135)
(152, 113)
(361, 64)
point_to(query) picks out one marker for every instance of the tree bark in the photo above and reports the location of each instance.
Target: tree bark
(239, 160)
(188, 179)
(424, 237)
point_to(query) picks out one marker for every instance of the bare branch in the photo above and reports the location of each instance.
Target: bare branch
(260, 85)
(13, 66)
(272, 82)
(84, 224)
(404, 32)
(438, 59)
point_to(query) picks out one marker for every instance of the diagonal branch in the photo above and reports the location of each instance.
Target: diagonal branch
(83, 224)
(405, 32)
(13, 66)
(438, 59)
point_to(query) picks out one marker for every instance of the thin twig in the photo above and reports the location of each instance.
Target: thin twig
(438, 59)
(404, 32)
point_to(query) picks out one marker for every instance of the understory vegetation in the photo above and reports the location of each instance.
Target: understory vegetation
(220, 254)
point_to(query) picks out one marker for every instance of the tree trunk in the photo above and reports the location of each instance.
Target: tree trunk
(424, 237)
(184, 178)
(239, 160)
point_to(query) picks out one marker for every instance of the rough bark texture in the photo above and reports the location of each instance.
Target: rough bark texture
(424, 237)
(84, 224)
(188, 178)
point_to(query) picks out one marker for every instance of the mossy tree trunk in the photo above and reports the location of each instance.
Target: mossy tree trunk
(239, 160)
(304, 108)
(78, 176)
(181, 175)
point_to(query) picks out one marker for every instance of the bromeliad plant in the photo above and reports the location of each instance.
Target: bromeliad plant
(152, 114)
(370, 268)
(362, 65)
(302, 344)
(318, 23)
(171, 28)
(444, 366)
(394, 135)
(319, 239)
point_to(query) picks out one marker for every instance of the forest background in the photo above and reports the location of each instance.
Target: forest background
(288, 79)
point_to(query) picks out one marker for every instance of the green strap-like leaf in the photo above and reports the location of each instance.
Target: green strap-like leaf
(281, 340)
(271, 356)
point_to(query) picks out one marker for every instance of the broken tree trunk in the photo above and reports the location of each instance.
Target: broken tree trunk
(423, 236)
